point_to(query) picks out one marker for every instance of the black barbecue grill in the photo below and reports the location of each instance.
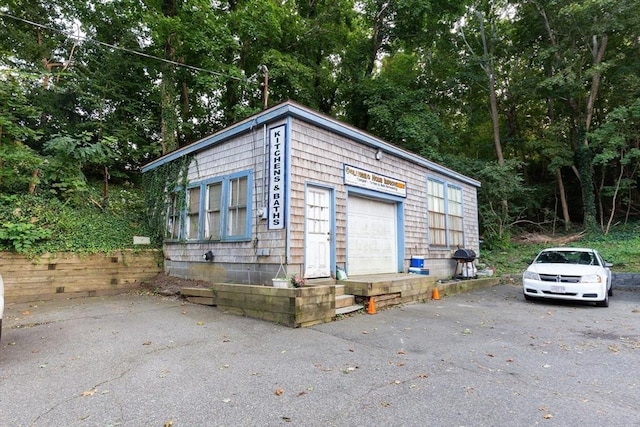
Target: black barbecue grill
(465, 268)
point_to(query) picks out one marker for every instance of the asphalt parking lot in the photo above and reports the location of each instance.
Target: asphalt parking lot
(486, 358)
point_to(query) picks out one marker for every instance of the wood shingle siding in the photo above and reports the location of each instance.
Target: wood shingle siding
(318, 148)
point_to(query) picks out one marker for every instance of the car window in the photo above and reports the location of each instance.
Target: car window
(568, 257)
(551, 257)
(585, 258)
(580, 257)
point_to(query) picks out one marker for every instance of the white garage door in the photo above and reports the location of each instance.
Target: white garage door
(371, 237)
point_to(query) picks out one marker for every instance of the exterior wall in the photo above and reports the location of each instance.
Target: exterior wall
(249, 262)
(317, 157)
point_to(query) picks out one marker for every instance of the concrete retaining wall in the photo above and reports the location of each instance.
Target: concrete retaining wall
(625, 281)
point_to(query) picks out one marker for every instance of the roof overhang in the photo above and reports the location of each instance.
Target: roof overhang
(292, 109)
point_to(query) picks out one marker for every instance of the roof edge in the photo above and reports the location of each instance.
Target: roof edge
(293, 109)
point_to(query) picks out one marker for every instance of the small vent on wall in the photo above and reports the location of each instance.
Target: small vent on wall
(52, 266)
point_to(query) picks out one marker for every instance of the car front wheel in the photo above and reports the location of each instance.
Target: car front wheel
(604, 302)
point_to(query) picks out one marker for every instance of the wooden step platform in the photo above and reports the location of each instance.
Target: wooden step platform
(349, 309)
(323, 300)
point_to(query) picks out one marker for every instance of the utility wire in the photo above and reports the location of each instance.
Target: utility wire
(135, 52)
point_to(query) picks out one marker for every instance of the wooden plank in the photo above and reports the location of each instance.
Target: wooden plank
(197, 292)
(382, 298)
(279, 318)
(75, 275)
(201, 300)
(320, 313)
(252, 289)
(276, 305)
(315, 322)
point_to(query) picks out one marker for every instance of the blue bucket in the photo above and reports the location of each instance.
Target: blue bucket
(417, 262)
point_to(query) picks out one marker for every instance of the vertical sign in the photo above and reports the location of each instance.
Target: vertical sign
(277, 168)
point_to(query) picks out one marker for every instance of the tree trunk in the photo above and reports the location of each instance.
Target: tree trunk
(168, 119)
(489, 69)
(563, 200)
(586, 165)
(105, 187)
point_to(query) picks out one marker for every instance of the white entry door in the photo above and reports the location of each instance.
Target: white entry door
(372, 230)
(317, 250)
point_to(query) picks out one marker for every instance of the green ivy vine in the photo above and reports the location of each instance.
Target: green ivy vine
(157, 183)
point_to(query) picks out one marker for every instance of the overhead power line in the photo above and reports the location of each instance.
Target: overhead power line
(124, 49)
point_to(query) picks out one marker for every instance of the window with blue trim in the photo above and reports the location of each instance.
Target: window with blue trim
(216, 209)
(172, 230)
(455, 216)
(437, 213)
(214, 206)
(446, 225)
(227, 208)
(237, 207)
(193, 213)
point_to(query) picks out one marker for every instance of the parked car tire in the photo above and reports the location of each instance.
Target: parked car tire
(604, 302)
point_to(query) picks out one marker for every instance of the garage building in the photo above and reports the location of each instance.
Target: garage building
(290, 188)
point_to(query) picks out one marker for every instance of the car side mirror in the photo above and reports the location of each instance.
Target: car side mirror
(608, 264)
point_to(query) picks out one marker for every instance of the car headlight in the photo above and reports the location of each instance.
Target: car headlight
(591, 278)
(531, 275)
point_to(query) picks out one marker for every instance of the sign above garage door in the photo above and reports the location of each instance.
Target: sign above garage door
(374, 181)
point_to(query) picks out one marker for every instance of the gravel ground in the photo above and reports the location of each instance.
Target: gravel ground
(170, 286)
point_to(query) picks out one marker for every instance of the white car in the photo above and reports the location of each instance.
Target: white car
(1, 303)
(577, 274)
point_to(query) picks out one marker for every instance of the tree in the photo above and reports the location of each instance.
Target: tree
(618, 143)
(578, 34)
(486, 59)
(19, 164)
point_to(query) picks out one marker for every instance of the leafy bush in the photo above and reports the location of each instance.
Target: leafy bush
(22, 236)
(35, 224)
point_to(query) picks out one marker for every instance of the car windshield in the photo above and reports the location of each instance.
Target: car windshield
(567, 257)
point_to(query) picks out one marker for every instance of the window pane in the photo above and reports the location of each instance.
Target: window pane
(237, 214)
(437, 218)
(456, 223)
(437, 227)
(238, 193)
(213, 225)
(215, 194)
(173, 218)
(457, 238)
(193, 227)
(214, 199)
(455, 194)
(438, 237)
(193, 215)
(194, 200)
(237, 222)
